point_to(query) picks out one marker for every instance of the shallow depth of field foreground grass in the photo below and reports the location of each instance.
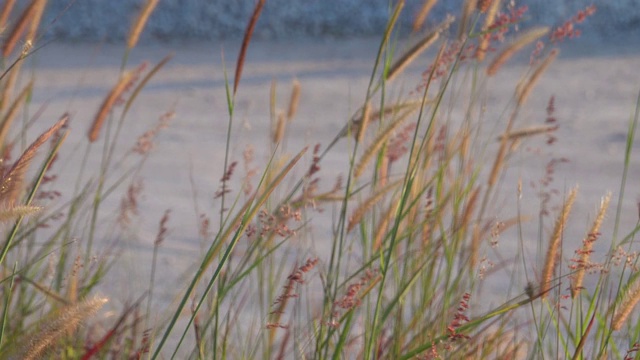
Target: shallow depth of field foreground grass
(414, 224)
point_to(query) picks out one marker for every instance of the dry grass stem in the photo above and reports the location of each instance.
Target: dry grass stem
(379, 141)
(628, 303)
(366, 205)
(108, 104)
(67, 320)
(141, 21)
(12, 111)
(294, 100)
(554, 243)
(517, 45)
(424, 11)
(523, 94)
(526, 132)
(245, 43)
(585, 252)
(467, 10)
(12, 180)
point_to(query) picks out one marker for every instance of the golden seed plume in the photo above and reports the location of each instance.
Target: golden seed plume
(18, 29)
(4, 15)
(278, 131)
(483, 5)
(34, 23)
(11, 181)
(391, 23)
(502, 150)
(526, 132)
(499, 161)
(355, 123)
(474, 247)
(468, 212)
(412, 54)
(12, 111)
(366, 116)
(141, 21)
(467, 10)
(517, 45)
(9, 84)
(272, 99)
(383, 224)
(585, 252)
(366, 205)
(248, 34)
(554, 243)
(108, 104)
(523, 94)
(294, 100)
(627, 304)
(423, 44)
(424, 11)
(383, 171)
(65, 321)
(488, 21)
(21, 210)
(379, 141)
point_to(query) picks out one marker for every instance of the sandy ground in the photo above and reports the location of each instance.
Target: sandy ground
(595, 87)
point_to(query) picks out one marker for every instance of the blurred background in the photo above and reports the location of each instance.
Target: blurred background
(180, 20)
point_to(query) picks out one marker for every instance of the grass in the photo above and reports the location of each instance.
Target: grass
(412, 241)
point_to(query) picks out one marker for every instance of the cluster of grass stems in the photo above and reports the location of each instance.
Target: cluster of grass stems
(409, 249)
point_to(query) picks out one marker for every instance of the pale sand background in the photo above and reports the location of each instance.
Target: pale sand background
(595, 86)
